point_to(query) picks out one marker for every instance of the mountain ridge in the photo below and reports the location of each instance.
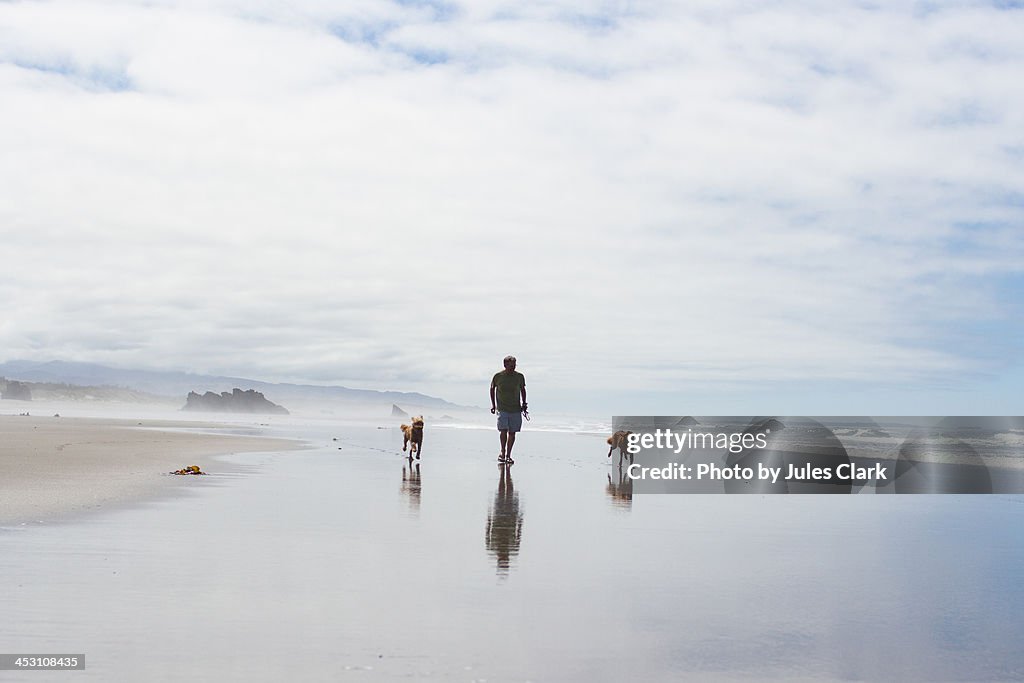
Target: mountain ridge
(176, 384)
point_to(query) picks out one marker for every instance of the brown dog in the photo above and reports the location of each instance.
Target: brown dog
(619, 440)
(413, 434)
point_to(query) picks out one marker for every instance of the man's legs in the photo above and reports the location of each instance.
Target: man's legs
(508, 425)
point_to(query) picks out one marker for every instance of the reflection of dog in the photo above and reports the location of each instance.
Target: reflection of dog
(619, 440)
(621, 491)
(413, 434)
(412, 486)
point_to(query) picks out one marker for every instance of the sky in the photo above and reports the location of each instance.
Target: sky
(726, 207)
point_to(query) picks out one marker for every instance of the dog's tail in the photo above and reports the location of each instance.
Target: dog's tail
(406, 427)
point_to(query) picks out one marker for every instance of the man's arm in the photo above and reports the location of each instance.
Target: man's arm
(493, 406)
(522, 392)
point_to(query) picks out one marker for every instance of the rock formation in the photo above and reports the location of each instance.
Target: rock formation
(12, 390)
(238, 401)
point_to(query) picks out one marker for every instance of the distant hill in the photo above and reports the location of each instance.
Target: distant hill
(62, 391)
(166, 384)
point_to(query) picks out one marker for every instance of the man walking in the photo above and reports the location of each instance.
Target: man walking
(508, 386)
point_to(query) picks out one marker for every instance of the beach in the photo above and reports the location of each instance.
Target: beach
(346, 561)
(55, 467)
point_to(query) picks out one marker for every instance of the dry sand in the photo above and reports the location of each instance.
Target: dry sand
(53, 467)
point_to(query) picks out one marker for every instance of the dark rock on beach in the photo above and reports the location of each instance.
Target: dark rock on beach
(238, 401)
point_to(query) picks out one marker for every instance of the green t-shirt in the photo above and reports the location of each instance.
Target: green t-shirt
(506, 390)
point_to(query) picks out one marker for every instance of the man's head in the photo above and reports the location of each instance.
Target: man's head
(510, 362)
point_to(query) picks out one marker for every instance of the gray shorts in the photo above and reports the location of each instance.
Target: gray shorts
(512, 422)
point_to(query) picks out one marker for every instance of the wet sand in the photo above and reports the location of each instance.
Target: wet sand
(53, 467)
(344, 561)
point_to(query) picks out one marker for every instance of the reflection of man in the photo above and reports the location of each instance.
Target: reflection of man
(507, 388)
(504, 523)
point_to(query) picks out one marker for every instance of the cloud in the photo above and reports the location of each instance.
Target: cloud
(397, 194)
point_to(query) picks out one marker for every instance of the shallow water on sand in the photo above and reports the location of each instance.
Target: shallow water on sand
(343, 562)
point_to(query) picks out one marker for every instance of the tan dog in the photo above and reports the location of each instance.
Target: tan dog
(619, 440)
(413, 434)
